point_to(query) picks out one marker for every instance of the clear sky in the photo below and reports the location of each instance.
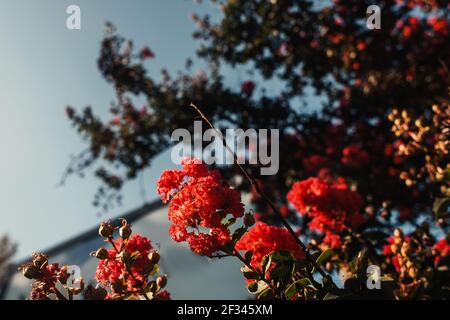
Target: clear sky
(43, 68)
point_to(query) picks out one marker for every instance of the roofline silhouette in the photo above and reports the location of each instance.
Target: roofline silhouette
(131, 216)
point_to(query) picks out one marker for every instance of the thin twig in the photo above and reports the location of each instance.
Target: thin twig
(59, 294)
(259, 190)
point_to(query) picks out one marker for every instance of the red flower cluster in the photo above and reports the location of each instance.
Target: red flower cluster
(263, 239)
(388, 252)
(112, 270)
(443, 249)
(331, 205)
(354, 156)
(146, 53)
(314, 163)
(47, 283)
(199, 201)
(248, 87)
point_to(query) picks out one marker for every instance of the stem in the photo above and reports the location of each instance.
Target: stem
(59, 294)
(236, 254)
(258, 189)
(130, 272)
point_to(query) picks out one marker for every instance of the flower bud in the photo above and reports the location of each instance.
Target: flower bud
(412, 272)
(31, 272)
(161, 281)
(39, 259)
(329, 266)
(63, 275)
(398, 233)
(106, 229)
(154, 257)
(249, 220)
(405, 250)
(101, 254)
(146, 268)
(125, 230)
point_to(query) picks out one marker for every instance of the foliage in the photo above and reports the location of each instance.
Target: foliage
(365, 174)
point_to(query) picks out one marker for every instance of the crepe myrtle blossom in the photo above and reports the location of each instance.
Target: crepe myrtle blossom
(124, 272)
(200, 200)
(146, 53)
(111, 269)
(248, 87)
(331, 206)
(263, 239)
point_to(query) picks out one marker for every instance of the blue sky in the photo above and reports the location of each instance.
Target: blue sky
(43, 68)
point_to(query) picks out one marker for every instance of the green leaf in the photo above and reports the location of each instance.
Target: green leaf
(279, 257)
(252, 287)
(266, 262)
(324, 256)
(257, 287)
(249, 273)
(154, 270)
(330, 296)
(282, 273)
(229, 222)
(296, 287)
(248, 256)
(282, 256)
(135, 255)
(238, 234)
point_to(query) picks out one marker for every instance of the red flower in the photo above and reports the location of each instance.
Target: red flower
(285, 212)
(439, 25)
(116, 121)
(46, 282)
(387, 251)
(285, 49)
(443, 249)
(333, 240)
(248, 87)
(263, 239)
(146, 53)
(199, 201)
(331, 206)
(316, 195)
(162, 295)
(314, 163)
(354, 156)
(112, 269)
